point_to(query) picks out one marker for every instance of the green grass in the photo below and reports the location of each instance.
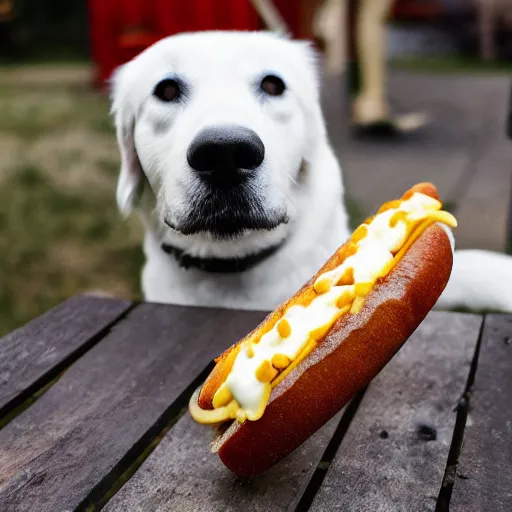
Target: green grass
(60, 231)
(450, 64)
(41, 59)
(27, 113)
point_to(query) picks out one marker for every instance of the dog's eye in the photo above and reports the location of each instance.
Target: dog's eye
(167, 90)
(273, 85)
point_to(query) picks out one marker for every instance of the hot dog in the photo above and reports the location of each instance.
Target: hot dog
(273, 389)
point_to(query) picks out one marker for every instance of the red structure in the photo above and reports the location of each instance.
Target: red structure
(120, 29)
(418, 10)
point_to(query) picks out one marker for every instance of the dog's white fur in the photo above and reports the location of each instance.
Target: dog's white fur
(300, 175)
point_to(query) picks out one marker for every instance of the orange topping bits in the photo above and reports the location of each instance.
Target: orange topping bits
(218, 376)
(397, 216)
(222, 397)
(280, 361)
(344, 299)
(359, 233)
(283, 328)
(350, 249)
(347, 277)
(266, 372)
(363, 289)
(357, 305)
(389, 205)
(240, 415)
(322, 286)
(249, 349)
(304, 353)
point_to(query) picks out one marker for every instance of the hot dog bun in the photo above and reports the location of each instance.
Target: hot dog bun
(343, 356)
(351, 355)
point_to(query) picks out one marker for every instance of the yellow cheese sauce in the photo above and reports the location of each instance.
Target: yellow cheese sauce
(260, 366)
(243, 381)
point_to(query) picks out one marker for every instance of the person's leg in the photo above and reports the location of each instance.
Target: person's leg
(370, 110)
(370, 104)
(330, 25)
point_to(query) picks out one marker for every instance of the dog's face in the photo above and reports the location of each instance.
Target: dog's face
(222, 125)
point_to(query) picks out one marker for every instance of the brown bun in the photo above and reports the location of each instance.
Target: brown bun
(303, 297)
(351, 355)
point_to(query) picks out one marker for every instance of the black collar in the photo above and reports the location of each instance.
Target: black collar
(219, 265)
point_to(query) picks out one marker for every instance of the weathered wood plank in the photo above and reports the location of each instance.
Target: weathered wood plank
(68, 447)
(394, 454)
(32, 355)
(484, 474)
(182, 474)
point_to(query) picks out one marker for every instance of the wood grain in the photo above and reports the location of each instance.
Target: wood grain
(32, 355)
(394, 454)
(182, 474)
(67, 449)
(484, 475)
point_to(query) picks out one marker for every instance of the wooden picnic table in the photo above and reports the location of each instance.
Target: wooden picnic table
(93, 401)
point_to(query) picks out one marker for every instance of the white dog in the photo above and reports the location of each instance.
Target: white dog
(226, 158)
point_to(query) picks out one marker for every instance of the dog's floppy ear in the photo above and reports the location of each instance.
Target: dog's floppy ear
(130, 181)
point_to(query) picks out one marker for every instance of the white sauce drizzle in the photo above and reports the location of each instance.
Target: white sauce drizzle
(375, 253)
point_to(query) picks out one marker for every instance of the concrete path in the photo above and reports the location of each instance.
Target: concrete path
(464, 150)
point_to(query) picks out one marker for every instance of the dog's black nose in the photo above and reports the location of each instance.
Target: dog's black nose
(226, 154)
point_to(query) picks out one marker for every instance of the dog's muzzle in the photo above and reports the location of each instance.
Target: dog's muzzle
(225, 156)
(227, 198)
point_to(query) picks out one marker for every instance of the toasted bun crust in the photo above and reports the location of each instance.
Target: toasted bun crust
(352, 354)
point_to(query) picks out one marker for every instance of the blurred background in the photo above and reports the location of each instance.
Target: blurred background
(60, 232)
